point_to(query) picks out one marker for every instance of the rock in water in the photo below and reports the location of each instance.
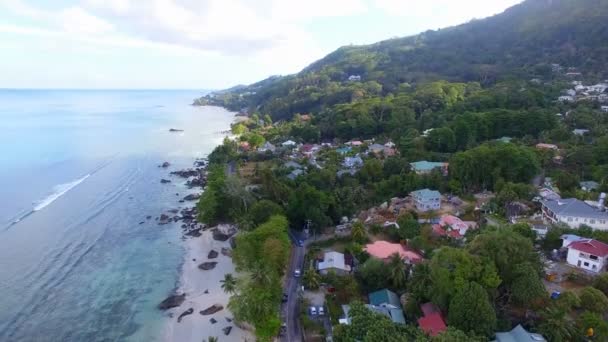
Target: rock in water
(185, 313)
(206, 266)
(212, 309)
(227, 252)
(165, 181)
(192, 197)
(172, 301)
(227, 330)
(223, 233)
(212, 254)
(175, 130)
(213, 321)
(165, 165)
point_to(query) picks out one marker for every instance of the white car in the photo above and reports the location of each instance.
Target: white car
(297, 273)
(321, 311)
(313, 311)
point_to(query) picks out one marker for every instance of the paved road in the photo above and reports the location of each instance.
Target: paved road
(290, 310)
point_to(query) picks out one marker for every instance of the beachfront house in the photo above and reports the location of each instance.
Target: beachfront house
(575, 213)
(588, 254)
(426, 200)
(519, 334)
(425, 167)
(333, 262)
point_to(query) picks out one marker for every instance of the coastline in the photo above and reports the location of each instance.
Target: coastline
(194, 282)
(202, 287)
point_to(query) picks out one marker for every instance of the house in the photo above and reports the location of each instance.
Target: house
(519, 334)
(351, 172)
(307, 150)
(292, 165)
(580, 132)
(333, 261)
(588, 254)
(426, 199)
(567, 239)
(589, 186)
(375, 149)
(267, 147)
(575, 213)
(383, 250)
(452, 226)
(305, 117)
(548, 194)
(295, 174)
(354, 78)
(352, 162)
(390, 144)
(244, 146)
(386, 302)
(571, 92)
(426, 167)
(605, 109)
(344, 150)
(543, 146)
(432, 321)
(505, 140)
(355, 143)
(566, 98)
(289, 144)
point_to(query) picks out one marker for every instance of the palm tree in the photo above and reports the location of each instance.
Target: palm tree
(229, 283)
(312, 279)
(396, 269)
(556, 326)
(358, 232)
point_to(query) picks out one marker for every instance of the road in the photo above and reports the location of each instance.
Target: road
(290, 310)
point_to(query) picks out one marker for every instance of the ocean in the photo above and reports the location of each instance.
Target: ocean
(78, 176)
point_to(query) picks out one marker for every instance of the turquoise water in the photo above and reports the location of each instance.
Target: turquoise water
(78, 173)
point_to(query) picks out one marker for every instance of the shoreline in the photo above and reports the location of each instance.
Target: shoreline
(203, 290)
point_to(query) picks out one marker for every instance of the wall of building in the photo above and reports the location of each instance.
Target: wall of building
(574, 257)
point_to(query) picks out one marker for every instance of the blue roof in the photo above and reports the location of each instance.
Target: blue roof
(575, 208)
(344, 150)
(426, 194)
(425, 165)
(384, 296)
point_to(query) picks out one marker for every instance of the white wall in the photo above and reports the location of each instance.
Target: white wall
(573, 259)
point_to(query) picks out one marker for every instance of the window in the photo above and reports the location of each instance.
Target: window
(603, 221)
(569, 219)
(592, 257)
(582, 255)
(586, 264)
(592, 221)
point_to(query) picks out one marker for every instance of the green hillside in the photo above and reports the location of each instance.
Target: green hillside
(521, 42)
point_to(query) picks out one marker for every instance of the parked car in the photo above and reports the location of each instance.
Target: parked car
(313, 311)
(321, 311)
(285, 297)
(297, 273)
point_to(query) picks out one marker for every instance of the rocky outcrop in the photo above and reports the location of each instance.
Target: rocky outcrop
(164, 219)
(186, 173)
(223, 232)
(164, 181)
(192, 197)
(175, 130)
(185, 313)
(172, 301)
(212, 254)
(226, 252)
(165, 165)
(206, 266)
(227, 330)
(212, 309)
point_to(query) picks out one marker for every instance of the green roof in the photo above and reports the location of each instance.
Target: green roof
(384, 297)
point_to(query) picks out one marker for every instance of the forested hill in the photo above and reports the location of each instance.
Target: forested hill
(521, 42)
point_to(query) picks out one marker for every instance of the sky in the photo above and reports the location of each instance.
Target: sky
(199, 44)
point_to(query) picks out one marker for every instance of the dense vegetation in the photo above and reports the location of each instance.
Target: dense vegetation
(479, 96)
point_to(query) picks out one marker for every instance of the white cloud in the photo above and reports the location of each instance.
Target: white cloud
(77, 20)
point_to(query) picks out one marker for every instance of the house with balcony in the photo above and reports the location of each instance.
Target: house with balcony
(588, 254)
(426, 200)
(575, 213)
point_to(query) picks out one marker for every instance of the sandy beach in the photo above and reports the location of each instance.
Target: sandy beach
(194, 282)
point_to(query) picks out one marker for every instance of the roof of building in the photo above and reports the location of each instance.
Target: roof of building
(395, 314)
(590, 246)
(292, 165)
(426, 165)
(589, 185)
(376, 148)
(333, 260)
(547, 146)
(384, 249)
(384, 296)
(289, 143)
(428, 308)
(575, 208)
(432, 324)
(426, 194)
(519, 334)
(295, 173)
(344, 150)
(570, 238)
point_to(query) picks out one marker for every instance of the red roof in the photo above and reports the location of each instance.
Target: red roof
(428, 308)
(432, 324)
(590, 246)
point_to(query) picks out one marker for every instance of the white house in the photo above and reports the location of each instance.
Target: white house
(354, 78)
(605, 109)
(289, 144)
(575, 213)
(580, 131)
(588, 254)
(566, 98)
(426, 199)
(333, 261)
(351, 162)
(267, 147)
